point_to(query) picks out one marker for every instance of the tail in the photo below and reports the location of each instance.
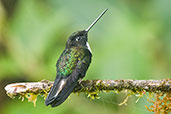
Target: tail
(61, 89)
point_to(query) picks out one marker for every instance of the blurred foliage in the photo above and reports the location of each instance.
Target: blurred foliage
(132, 40)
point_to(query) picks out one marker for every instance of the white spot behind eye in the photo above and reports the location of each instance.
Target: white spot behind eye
(77, 38)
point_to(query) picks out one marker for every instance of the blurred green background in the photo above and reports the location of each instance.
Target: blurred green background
(131, 41)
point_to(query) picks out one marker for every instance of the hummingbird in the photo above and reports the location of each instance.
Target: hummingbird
(71, 65)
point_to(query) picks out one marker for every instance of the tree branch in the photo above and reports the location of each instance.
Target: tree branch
(162, 88)
(90, 86)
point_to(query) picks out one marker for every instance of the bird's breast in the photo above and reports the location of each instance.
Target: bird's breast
(68, 61)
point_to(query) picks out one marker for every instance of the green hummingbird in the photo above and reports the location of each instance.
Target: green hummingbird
(71, 66)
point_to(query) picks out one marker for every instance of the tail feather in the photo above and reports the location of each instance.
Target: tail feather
(53, 91)
(63, 95)
(61, 89)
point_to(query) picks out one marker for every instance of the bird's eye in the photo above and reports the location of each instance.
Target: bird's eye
(78, 38)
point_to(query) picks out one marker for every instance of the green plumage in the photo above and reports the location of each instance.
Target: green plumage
(69, 59)
(71, 66)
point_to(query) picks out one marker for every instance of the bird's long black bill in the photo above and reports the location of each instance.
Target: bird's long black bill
(95, 21)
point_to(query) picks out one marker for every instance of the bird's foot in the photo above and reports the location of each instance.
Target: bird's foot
(80, 80)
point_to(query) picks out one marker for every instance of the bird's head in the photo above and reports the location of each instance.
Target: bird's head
(77, 39)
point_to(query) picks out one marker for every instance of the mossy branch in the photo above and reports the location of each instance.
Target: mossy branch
(160, 105)
(136, 86)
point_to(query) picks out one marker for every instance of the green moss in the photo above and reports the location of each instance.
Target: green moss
(32, 98)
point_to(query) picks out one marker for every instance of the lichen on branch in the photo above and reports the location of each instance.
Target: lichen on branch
(161, 89)
(136, 86)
